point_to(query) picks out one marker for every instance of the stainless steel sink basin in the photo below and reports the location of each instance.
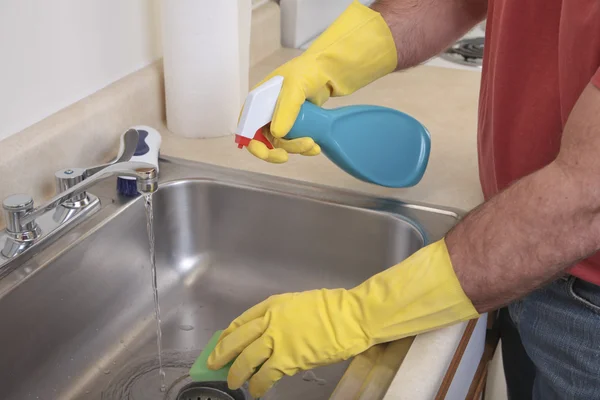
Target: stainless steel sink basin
(77, 318)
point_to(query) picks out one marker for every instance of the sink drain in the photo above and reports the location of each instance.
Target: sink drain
(209, 391)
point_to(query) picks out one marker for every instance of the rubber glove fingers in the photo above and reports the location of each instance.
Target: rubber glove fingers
(242, 339)
(288, 333)
(267, 376)
(260, 150)
(229, 344)
(305, 146)
(254, 353)
(279, 154)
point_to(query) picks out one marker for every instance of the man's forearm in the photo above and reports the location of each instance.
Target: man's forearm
(423, 28)
(538, 227)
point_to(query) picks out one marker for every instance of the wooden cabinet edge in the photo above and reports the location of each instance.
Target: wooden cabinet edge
(456, 358)
(478, 383)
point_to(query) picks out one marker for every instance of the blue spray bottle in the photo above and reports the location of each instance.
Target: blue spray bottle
(372, 143)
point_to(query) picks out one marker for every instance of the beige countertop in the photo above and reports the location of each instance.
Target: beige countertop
(445, 101)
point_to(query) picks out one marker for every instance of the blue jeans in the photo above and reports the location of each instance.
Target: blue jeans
(556, 352)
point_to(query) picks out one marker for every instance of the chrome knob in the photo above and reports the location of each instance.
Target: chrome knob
(15, 208)
(18, 202)
(66, 179)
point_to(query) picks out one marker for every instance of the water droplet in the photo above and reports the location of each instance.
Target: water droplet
(106, 371)
(114, 363)
(310, 376)
(121, 341)
(87, 392)
(186, 327)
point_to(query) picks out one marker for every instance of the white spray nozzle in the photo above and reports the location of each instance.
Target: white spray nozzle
(258, 109)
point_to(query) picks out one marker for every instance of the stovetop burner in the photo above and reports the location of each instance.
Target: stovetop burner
(466, 52)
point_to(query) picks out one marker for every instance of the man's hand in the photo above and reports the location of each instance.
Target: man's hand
(355, 50)
(361, 46)
(309, 328)
(299, 331)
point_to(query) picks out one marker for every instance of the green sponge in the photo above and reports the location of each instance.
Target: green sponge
(200, 371)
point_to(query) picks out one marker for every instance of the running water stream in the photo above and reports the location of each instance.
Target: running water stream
(150, 227)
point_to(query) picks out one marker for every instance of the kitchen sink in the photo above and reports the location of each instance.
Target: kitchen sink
(77, 317)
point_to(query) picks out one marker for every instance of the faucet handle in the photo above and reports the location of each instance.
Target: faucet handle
(129, 143)
(19, 235)
(69, 177)
(15, 208)
(19, 202)
(66, 179)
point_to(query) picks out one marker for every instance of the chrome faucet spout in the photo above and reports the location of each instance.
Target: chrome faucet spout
(147, 180)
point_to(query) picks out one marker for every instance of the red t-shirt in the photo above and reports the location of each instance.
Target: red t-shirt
(539, 56)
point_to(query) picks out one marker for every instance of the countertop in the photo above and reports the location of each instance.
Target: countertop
(445, 101)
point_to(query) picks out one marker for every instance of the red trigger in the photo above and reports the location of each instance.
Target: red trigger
(261, 138)
(244, 141)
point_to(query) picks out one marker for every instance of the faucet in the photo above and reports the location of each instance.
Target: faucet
(27, 225)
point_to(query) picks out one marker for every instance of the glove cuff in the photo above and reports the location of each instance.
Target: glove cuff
(357, 49)
(421, 293)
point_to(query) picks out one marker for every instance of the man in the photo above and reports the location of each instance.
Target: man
(531, 244)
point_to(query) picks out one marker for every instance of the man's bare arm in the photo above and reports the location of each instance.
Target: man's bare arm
(423, 28)
(539, 226)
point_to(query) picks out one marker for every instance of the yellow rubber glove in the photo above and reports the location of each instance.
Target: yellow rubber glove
(281, 147)
(300, 331)
(357, 49)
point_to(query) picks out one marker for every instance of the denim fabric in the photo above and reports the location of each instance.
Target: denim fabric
(559, 328)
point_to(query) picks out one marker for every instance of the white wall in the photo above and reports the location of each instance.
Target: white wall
(56, 52)
(303, 20)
